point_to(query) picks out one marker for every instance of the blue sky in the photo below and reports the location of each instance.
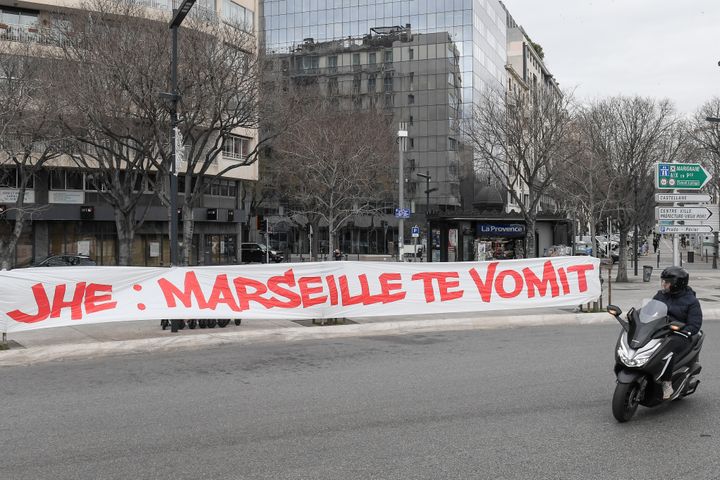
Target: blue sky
(657, 48)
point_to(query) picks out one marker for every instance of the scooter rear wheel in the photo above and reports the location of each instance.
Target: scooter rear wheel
(625, 401)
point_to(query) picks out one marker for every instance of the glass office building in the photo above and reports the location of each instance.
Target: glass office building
(476, 28)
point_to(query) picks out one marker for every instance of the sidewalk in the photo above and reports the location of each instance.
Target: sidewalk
(147, 336)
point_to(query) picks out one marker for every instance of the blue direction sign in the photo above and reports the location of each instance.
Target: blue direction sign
(402, 213)
(683, 176)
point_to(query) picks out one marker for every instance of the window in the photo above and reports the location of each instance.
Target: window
(332, 86)
(411, 54)
(74, 180)
(356, 84)
(388, 83)
(11, 16)
(371, 86)
(412, 81)
(238, 15)
(57, 179)
(411, 99)
(222, 188)
(356, 61)
(411, 143)
(388, 56)
(67, 180)
(332, 64)
(311, 63)
(236, 147)
(8, 178)
(372, 58)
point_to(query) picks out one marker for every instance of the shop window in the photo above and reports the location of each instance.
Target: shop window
(57, 180)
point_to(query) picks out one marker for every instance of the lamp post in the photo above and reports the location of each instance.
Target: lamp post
(402, 139)
(179, 15)
(715, 234)
(428, 191)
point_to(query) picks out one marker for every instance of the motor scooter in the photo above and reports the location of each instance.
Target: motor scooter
(640, 359)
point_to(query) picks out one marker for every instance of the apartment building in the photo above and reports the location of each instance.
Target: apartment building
(69, 216)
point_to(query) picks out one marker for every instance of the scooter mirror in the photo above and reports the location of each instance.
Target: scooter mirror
(614, 310)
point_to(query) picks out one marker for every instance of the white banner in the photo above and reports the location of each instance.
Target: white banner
(59, 296)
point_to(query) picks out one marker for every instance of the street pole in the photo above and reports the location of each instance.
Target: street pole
(635, 232)
(428, 191)
(173, 142)
(402, 138)
(179, 15)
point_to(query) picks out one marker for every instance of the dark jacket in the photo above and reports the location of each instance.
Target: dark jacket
(684, 307)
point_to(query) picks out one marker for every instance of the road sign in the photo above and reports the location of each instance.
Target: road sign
(681, 197)
(685, 229)
(689, 176)
(402, 213)
(415, 231)
(682, 213)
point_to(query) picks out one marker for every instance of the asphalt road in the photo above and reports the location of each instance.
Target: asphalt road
(523, 403)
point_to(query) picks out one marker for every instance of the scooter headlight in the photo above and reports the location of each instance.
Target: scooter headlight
(639, 357)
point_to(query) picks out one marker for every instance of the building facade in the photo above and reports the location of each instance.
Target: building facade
(471, 33)
(69, 216)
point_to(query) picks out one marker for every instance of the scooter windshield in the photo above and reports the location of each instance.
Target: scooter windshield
(647, 321)
(652, 310)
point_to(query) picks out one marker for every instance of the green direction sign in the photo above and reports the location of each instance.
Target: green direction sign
(682, 176)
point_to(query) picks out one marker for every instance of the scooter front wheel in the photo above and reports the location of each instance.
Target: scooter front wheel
(625, 401)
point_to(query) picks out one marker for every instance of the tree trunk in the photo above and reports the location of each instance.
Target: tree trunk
(187, 235)
(7, 247)
(529, 242)
(331, 235)
(125, 226)
(622, 275)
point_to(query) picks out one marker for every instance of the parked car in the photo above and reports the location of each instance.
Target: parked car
(67, 261)
(583, 248)
(257, 253)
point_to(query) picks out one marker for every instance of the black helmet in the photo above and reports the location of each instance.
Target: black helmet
(677, 277)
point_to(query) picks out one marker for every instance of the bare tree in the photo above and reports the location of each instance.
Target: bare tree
(581, 187)
(628, 135)
(523, 139)
(29, 136)
(331, 165)
(112, 74)
(120, 51)
(219, 91)
(706, 136)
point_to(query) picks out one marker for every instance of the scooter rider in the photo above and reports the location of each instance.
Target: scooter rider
(683, 306)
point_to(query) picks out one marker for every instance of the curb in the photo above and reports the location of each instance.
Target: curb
(35, 355)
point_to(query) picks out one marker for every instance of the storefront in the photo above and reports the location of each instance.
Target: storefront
(493, 236)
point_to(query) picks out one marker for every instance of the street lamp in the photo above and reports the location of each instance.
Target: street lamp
(402, 140)
(179, 15)
(715, 234)
(428, 191)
